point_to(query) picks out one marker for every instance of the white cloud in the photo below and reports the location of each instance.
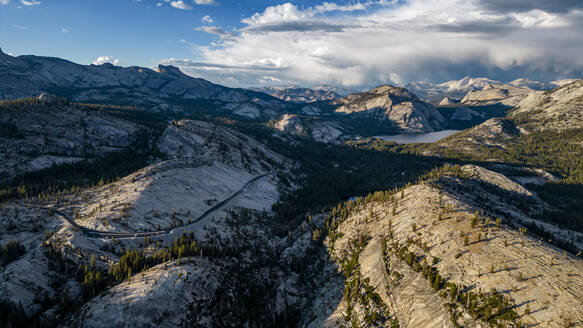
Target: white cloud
(181, 5)
(207, 19)
(106, 59)
(64, 30)
(30, 3)
(280, 13)
(4, 2)
(19, 27)
(373, 42)
(217, 31)
(331, 6)
(205, 2)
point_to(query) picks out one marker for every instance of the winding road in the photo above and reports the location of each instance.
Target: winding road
(105, 234)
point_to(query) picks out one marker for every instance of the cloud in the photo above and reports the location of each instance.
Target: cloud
(481, 26)
(551, 6)
(4, 2)
(181, 5)
(64, 30)
(205, 2)
(331, 6)
(30, 3)
(217, 31)
(298, 26)
(364, 44)
(106, 59)
(207, 19)
(19, 27)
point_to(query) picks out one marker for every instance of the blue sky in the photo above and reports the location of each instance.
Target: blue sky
(346, 43)
(136, 32)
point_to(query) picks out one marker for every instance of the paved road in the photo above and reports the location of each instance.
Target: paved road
(105, 234)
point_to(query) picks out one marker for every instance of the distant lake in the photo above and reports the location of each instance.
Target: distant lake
(418, 137)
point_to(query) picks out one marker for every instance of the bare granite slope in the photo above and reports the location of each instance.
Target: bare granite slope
(437, 226)
(395, 104)
(38, 132)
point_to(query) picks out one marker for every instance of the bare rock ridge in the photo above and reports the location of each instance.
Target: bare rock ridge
(424, 252)
(397, 105)
(557, 109)
(491, 94)
(27, 76)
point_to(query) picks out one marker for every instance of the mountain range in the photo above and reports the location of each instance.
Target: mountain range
(457, 89)
(137, 197)
(165, 88)
(384, 110)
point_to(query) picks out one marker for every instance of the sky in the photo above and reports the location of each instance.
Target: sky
(353, 44)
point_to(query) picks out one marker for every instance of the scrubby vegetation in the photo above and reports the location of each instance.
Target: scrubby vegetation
(360, 294)
(13, 316)
(9, 130)
(11, 251)
(89, 172)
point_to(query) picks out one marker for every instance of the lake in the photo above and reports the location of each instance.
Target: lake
(418, 137)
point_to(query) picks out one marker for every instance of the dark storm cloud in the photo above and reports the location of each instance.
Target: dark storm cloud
(210, 66)
(296, 26)
(500, 26)
(421, 40)
(439, 70)
(551, 6)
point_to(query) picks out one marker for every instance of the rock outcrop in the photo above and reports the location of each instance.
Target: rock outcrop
(290, 124)
(397, 105)
(447, 101)
(494, 94)
(557, 109)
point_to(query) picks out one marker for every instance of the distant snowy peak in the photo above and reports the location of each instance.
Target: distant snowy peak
(459, 89)
(454, 89)
(533, 85)
(331, 88)
(560, 83)
(467, 83)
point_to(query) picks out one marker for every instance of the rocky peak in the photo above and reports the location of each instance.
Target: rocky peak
(398, 105)
(390, 90)
(163, 69)
(549, 109)
(447, 101)
(290, 123)
(107, 65)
